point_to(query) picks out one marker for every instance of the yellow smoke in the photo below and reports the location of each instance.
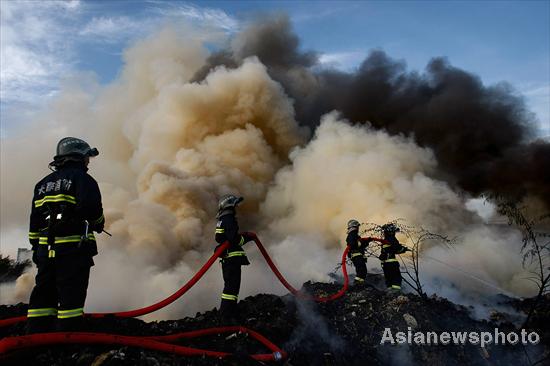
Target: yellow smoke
(350, 172)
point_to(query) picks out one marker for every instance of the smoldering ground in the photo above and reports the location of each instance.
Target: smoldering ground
(175, 133)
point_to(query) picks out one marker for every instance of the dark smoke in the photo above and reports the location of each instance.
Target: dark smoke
(223, 57)
(272, 40)
(480, 134)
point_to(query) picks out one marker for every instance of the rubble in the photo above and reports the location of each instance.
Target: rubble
(347, 331)
(410, 320)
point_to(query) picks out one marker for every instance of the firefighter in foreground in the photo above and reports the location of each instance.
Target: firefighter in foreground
(357, 246)
(66, 209)
(390, 264)
(227, 229)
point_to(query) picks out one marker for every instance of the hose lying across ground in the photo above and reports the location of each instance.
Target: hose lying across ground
(164, 343)
(159, 343)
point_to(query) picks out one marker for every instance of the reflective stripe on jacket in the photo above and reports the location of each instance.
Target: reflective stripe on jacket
(62, 202)
(227, 229)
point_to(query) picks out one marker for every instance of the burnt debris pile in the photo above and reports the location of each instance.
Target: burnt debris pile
(347, 331)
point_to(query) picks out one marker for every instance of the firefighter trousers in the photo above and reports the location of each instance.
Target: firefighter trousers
(231, 270)
(360, 265)
(59, 294)
(392, 275)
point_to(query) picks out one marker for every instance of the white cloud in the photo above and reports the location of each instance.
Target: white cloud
(342, 60)
(71, 4)
(537, 90)
(40, 39)
(34, 48)
(206, 16)
(113, 29)
(319, 14)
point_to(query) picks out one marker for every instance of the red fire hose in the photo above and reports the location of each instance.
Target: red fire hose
(11, 321)
(289, 287)
(150, 308)
(160, 343)
(170, 299)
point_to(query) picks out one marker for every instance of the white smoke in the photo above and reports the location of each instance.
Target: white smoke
(354, 172)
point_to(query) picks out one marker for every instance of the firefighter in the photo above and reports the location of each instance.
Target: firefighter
(66, 209)
(227, 229)
(390, 264)
(357, 246)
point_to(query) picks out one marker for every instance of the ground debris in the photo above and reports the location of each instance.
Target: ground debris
(347, 331)
(410, 320)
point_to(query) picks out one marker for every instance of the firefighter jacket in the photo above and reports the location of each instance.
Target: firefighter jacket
(227, 229)
(390, 247)
(356, 244)
(63, 201)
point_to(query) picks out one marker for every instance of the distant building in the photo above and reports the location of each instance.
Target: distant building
(23, 254)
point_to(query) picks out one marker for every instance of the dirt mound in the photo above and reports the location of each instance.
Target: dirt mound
(347, 331)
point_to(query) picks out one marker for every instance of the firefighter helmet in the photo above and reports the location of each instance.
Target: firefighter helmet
(228, 201)
(71, 149)
(353, 224)
(72, 146)
(390, 228)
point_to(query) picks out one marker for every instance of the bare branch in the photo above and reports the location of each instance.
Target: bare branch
(534, 253)
(416, 239)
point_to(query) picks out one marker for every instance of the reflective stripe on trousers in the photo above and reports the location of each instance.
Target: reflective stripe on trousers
(229, 297)
(70, 313)
(35, 313)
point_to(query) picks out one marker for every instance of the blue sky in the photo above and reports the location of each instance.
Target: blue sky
(44, 42)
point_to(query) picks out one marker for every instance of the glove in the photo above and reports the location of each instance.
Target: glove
(365, 241)
(383, 256)
(403, 249)
(34, 257)
(98, 227)
(248, 236)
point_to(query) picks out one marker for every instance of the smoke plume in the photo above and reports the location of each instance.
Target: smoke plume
(179, 128)
(350, 171)
(481, 135)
